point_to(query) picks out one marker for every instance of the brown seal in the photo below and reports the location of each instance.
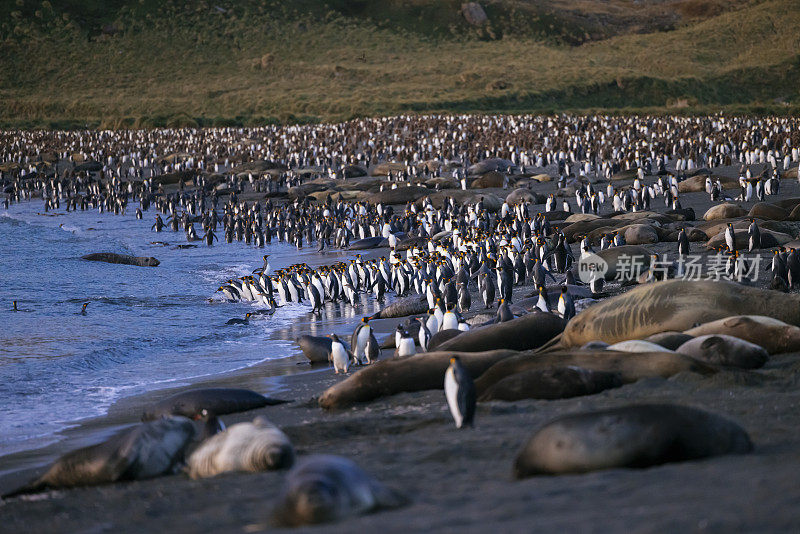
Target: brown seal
(674, 305)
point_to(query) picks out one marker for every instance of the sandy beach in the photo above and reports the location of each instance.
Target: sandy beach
(457, 480)
(462, 481)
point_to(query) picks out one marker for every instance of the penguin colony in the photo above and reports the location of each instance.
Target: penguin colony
(446, 240)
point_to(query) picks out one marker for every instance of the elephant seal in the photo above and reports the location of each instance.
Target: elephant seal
(442, 336)
(615, 258)
(413, 305)
(110, 257)
(637, 345)
(530, 331)
(674, 305)
(555, 383)
(401, 195)
(669, 340)
(325, 488)
(403, 374)
(631, 366)
(774, 335)
(763, 210)
(243, 447)
(719, 349)
(146, 450)
(630, 436)
(218, 401)
(317, 349)
(724, 211)
(367, 243)
(640, 234)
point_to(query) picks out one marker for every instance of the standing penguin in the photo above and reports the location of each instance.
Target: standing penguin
(486, 286)
(464, 298)
(424, 334)
(315, 299)
(365, 346)
(339, 355)
(754, 236)
(683, 243)
(450, 319)
(566, 307)
(459, 390)
(406, 346)
(544, 300)
(730, 237)
(432, 322)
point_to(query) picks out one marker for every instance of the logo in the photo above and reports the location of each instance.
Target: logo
(591, 267)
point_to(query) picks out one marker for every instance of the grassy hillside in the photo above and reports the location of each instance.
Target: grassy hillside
(148, 62)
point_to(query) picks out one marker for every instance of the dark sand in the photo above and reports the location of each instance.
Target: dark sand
(459, 480)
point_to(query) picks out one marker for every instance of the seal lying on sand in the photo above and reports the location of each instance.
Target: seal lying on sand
(527, 332)
(555, 383)
(631, 366)
(397, 375)
(774, 335)
(250, 447)
(217, 401)
(631, 436)
(316, 348)
(325, 488)
(413, 305)
(719, 349)
(110, 257)
(675, 305)
(145, 451)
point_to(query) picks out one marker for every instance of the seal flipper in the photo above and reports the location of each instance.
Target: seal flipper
(387, 498)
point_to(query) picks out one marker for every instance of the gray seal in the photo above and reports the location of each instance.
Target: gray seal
(553, 383)
(630, 436)
(146, 450)
(326, 488)
(217, 401)
(110, 257)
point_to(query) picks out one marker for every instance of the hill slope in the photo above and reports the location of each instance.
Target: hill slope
(126, 63)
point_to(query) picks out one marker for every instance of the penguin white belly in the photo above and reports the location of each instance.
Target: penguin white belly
(450, 321)
(363, 338)
(406, 347)
(451, 393)
(433, 324)
(340, 359)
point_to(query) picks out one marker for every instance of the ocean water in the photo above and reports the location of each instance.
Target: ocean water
(145, 328)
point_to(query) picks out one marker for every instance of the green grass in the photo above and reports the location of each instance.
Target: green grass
(272, 61)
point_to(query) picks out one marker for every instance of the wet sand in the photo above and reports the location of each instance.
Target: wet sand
(461, 480)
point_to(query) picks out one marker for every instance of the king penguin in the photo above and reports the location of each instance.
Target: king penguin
(450, 319)
(566, 307)
(459, 390)
(339, 355)
(424, 334)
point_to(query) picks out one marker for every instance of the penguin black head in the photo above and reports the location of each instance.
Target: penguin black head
(247, 315)
(454, 359)
(365, 320)
(83, 308)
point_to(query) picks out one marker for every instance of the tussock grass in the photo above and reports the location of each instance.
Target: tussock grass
(262, 62)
